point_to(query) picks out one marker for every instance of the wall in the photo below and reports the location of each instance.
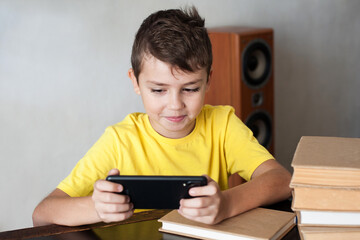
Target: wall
(63, 79)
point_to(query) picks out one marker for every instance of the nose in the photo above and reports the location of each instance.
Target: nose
(175, 101)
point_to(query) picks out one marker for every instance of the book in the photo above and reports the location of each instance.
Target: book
(326, 198)
(328, 218)
(326, 187)
(258, 223)
(327, 161)
(328, 233)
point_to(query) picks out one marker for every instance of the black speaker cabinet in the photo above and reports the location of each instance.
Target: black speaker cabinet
(243, 77)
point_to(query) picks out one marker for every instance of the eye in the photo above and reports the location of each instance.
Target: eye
(191, 89)
(157, 90)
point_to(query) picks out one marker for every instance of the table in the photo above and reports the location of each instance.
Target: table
(142, 225)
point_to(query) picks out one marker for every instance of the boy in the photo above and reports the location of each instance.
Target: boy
(178, 135)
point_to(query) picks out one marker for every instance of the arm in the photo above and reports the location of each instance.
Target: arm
(269, 184)
(103, 205)
(60, 208)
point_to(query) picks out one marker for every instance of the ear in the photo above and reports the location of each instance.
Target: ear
(208, 80)
(134, 81)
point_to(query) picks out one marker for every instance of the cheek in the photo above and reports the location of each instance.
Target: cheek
(151, 104)
(196, 104)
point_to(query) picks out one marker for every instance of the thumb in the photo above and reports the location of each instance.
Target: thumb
(209, 179)
(114, 171)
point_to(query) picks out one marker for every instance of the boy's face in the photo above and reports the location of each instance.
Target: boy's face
(172, 98)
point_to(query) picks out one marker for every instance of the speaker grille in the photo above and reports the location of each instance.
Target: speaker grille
(260, 123)
(256, 63)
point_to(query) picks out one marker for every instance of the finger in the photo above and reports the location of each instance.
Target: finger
(209, 179)
(107, 186)
(203, 218)
(115, 207)
(196, 212)
(114, 171)
(108, 197)
(208, 190)
(116, 217)
(199, 202)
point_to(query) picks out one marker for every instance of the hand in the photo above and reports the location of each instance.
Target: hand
(110, 206)
(208, 205)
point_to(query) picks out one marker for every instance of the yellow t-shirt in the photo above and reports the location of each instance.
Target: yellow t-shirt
(219, 145)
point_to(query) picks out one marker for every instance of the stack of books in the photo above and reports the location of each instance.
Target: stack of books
(326, 187)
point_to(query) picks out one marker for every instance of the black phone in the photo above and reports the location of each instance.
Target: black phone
(157, 192)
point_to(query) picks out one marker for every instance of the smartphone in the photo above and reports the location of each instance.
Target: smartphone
(157, 192)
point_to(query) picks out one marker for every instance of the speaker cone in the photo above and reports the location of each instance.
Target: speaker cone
(259, 123)
(256, 65)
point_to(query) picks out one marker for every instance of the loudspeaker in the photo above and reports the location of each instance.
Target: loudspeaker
(243, 77)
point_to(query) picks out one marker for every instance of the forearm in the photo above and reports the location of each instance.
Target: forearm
(270, 187)
(65, 210)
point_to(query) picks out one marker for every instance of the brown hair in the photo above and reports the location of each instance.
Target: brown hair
(175, 36)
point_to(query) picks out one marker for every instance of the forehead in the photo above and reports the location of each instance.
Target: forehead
(154, 69)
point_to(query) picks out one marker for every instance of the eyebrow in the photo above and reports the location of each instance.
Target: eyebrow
(164, 84)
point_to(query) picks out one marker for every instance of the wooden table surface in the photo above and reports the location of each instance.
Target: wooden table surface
(142, 225)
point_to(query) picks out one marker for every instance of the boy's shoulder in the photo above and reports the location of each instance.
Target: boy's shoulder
(217, 111)
(131, 122)
(219, 115)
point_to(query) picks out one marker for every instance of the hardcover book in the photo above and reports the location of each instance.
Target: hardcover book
(258, 223)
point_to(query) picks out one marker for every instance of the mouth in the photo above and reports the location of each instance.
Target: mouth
(175, 119)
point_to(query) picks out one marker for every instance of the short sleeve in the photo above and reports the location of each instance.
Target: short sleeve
(93, 166)
(243, 152)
